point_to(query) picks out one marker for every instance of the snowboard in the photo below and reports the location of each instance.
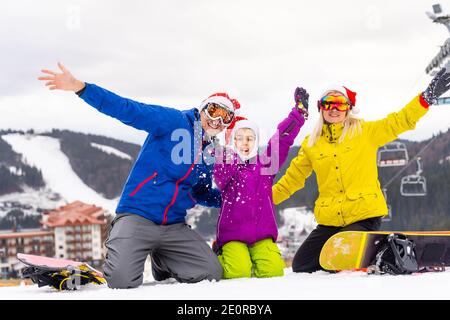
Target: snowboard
(358, 250)
(60, 274)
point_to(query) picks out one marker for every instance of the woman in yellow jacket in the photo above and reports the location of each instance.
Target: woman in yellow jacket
(342, 151)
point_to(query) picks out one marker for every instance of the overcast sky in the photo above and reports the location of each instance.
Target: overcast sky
(176, 53)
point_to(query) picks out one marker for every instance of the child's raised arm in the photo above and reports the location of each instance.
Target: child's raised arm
(288, 129)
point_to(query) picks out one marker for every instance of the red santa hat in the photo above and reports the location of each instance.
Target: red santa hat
(230, 128)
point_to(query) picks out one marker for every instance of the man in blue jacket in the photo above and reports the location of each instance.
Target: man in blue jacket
(170, 176)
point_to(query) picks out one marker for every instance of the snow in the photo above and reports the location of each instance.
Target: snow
(15, 171)
(45, 154)
(193, 215)
(445, 159)
(292, 286)
(111, 150)
(30, 200)
(298, 221)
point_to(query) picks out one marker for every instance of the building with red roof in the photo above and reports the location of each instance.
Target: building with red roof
(75, 231)
(80, 231)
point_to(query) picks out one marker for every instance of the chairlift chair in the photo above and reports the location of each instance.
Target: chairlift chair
(414, 185)
(392, 154)
(444, 100)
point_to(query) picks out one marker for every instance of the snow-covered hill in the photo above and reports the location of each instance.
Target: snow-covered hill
(30, 201)
(44, 153)
(111, 150)
(292, 286)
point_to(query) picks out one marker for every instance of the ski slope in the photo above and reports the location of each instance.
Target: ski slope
(320, 285)
(45, 154)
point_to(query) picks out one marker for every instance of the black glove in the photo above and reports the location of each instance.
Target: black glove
(301, 97)
(438, 86)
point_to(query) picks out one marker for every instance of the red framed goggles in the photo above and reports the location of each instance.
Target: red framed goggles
(339, 103)
(215, 112)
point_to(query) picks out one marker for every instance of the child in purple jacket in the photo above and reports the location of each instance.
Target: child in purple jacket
(247, 228)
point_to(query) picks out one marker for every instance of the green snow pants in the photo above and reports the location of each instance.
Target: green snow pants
(262, 260)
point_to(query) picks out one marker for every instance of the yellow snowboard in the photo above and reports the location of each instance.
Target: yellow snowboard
(350, 250)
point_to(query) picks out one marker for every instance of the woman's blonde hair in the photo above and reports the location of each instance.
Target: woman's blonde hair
(352, 126)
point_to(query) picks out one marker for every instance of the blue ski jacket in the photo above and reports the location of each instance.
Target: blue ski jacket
(170, 174)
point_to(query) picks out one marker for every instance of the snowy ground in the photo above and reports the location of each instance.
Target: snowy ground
(319, 285)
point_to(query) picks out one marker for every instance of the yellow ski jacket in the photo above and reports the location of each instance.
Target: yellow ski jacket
(347, 172)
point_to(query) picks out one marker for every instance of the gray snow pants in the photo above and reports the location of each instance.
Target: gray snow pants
(176, 251)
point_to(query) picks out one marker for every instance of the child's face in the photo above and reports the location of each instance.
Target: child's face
(244, 141)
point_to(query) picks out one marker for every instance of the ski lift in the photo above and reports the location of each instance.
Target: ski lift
(414, 185)
(392, 154)
(444, 100)
(389, 215)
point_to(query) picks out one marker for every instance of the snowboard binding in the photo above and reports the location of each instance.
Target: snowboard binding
(66, 279)
(395, 256)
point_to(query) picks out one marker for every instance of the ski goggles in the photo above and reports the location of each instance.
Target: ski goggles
(339, 103)
(215, 112)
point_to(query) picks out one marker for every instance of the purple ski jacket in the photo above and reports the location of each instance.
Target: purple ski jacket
(247, 213)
